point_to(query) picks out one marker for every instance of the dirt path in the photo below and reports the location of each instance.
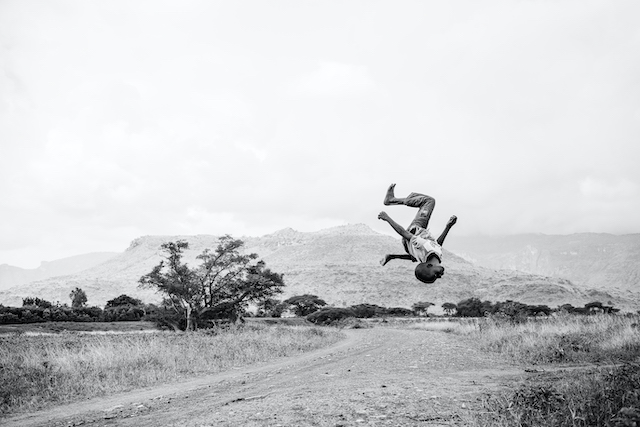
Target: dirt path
(379, 376)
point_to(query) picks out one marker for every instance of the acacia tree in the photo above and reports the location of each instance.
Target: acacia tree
(230, 279)
(420, 308)
(220, 287)
(303, 305)
(449, 308)
(78, 298)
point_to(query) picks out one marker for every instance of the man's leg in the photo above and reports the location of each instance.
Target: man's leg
(389, 257)
(424, 203)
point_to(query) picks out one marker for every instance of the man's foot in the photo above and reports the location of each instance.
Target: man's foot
(452, 220)
(385, 259)
(390, 197)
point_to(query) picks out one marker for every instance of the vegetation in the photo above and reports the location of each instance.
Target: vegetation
(420, 308)
(330, 315)
(78, 298)
(303, 305)
(449, 308)
(219, 288)
(589, 398)
(568, 338)
(584, 397)
(37, 371)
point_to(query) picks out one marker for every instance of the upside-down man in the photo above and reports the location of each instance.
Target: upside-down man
(419, 245)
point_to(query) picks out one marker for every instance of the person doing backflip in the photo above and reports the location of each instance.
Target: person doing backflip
(419, 244)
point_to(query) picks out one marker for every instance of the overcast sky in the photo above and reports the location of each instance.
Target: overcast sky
(120, 119)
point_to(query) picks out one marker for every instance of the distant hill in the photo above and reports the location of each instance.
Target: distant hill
(338, 264)
(15, 276)
(606, 262)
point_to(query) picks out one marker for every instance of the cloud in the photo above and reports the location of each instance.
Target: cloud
(608, 189)
(333, 80)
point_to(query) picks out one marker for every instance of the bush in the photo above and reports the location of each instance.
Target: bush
(330, 315)
(125, 313)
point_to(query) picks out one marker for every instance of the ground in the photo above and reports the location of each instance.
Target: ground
(379, 377)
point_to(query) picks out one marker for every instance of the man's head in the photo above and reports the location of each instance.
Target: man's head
(427, 272)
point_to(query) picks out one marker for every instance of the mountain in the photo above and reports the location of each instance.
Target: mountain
(339, 264)
(15, 276)
(606, 262)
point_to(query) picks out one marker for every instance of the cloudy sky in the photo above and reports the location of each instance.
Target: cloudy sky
(127, 118)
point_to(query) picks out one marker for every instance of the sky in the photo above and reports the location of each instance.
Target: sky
(120, 119)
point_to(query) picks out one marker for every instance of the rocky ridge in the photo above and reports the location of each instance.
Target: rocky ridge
(339, 264)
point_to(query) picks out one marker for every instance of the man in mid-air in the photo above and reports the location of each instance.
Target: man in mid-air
(419, 245)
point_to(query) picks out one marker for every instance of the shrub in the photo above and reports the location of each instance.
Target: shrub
(329, 315)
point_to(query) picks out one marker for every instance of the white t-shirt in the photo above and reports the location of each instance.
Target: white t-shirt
(422, 245)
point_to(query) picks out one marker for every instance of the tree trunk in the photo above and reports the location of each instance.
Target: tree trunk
(190, 323)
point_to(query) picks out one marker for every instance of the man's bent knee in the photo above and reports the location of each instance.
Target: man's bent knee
(417, 200)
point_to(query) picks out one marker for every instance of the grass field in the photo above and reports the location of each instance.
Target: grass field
(39, 370)
(606, 394)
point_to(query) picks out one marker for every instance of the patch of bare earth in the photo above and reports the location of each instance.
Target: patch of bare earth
(378, 377)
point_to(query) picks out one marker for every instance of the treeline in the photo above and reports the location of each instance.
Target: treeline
(35, 310)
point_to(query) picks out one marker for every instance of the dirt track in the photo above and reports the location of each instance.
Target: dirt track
(379, 376)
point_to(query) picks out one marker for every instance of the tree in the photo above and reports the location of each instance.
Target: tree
(123, 300)
(78, 298)
(177, 282)
(303, 305)
(230, 280)
(329, 315)
(220, 287)
(368, 310)
(471, 307)
(420, 308)
(37, 302)
(270, 307)
(594, 307)
(449, 308)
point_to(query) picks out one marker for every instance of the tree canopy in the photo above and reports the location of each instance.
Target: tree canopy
(224, 282)
(303, 305)
(78, 298)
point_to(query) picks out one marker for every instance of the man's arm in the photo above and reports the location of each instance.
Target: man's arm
(397, 227)
(450, 224)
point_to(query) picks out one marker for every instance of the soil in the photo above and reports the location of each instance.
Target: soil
(374, 377)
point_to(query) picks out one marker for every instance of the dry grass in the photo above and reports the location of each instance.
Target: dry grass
(587, 396)
(562, 339)
(37, 371)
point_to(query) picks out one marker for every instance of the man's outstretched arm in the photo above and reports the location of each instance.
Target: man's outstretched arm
(397, 227)
(450, 224)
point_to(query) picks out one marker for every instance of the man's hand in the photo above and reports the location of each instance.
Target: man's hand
(452, 221)
(383, 216)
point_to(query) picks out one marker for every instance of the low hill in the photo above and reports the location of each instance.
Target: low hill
(14, 276)
(338, 264)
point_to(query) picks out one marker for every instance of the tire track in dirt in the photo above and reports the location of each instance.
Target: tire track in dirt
(378, 376)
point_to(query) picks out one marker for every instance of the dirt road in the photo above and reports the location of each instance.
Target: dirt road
(378, 377)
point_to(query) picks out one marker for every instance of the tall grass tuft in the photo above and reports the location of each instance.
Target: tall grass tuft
(37, 371)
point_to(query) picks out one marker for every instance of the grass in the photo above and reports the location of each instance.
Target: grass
(563, 339)
(586, 396)
(42, 370)
(589, 398)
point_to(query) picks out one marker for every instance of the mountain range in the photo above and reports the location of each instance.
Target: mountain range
(14, 276)
(340, 265)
